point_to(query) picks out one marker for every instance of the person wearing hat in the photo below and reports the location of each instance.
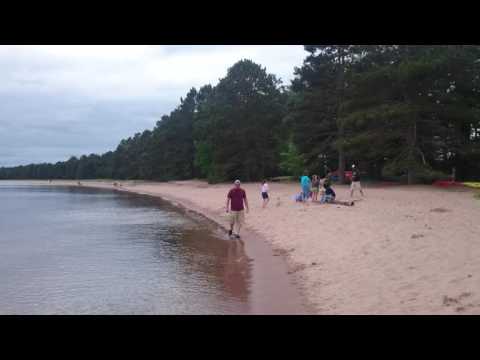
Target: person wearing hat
(355, 182)
(236, 199)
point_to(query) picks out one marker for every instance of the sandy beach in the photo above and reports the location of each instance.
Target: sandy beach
(401, 250)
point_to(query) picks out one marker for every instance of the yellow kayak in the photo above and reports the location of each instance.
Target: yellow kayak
(475, 185)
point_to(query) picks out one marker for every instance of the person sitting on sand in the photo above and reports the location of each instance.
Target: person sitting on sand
(236, 198)
(265, 197)
(305, 184)
(315, 187)
(329, 196)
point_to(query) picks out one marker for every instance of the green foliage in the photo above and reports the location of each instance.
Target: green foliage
(422, 175)
(204, 158)
(237, 124)
(401, 111)
(292, 162)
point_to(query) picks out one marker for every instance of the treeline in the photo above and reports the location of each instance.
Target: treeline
(398, 112)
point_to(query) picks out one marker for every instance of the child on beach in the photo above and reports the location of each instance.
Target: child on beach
(315, 187)
(265, 197)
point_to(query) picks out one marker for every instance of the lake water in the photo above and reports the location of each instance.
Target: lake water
(67, 250)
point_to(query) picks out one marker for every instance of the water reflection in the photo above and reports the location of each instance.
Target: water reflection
(74, 251)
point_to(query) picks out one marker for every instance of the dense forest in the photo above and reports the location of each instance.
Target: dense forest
(403, 112)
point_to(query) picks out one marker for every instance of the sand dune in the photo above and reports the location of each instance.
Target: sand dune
(402, 250)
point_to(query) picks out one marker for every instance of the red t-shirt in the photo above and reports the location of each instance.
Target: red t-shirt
(236, 195)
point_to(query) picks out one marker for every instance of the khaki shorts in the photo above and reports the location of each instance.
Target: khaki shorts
(237, 217)
(355, 185)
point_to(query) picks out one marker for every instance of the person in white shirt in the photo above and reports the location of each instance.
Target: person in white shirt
(265, 197)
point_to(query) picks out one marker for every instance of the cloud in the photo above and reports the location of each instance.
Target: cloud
(57, 99)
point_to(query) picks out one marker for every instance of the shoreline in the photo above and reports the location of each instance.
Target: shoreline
(274, 289)
(401, 250)
(268, 284)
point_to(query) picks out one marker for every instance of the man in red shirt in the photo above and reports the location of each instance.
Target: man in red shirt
(236, 197)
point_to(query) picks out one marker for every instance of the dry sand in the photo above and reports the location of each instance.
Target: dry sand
(402, 250)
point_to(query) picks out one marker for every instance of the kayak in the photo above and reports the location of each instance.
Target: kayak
(475, 185)
(446, 183)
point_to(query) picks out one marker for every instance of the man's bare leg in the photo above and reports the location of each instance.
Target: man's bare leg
(232, 223)
(239, 226)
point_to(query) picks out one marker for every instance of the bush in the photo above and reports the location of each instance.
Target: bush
(292, 162)
(422, 174)
(428, 176)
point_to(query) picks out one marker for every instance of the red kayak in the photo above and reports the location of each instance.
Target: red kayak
(447, 183)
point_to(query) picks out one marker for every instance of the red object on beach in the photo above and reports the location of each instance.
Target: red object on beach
(446, 183)
(348, 174)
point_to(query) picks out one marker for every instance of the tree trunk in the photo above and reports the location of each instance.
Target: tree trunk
(341, 128)
(411, 158)
(378, 170)
(341, 165)
(341, 155)
(410, 176)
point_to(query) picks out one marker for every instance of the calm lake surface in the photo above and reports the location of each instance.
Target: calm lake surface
(67, 250)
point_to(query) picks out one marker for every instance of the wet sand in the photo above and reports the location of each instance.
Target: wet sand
(273, 291)
(402, 250)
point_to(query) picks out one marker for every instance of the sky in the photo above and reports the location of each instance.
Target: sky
(58, 101)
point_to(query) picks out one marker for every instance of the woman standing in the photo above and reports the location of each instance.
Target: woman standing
(306, 186)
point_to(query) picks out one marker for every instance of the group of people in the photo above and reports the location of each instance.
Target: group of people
(310, 188)
(237, 201)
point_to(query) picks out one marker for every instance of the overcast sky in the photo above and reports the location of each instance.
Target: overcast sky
(59, 101)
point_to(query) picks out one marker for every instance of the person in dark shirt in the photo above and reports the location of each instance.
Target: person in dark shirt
(236, 199)
(328, 195)
(355, 182)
